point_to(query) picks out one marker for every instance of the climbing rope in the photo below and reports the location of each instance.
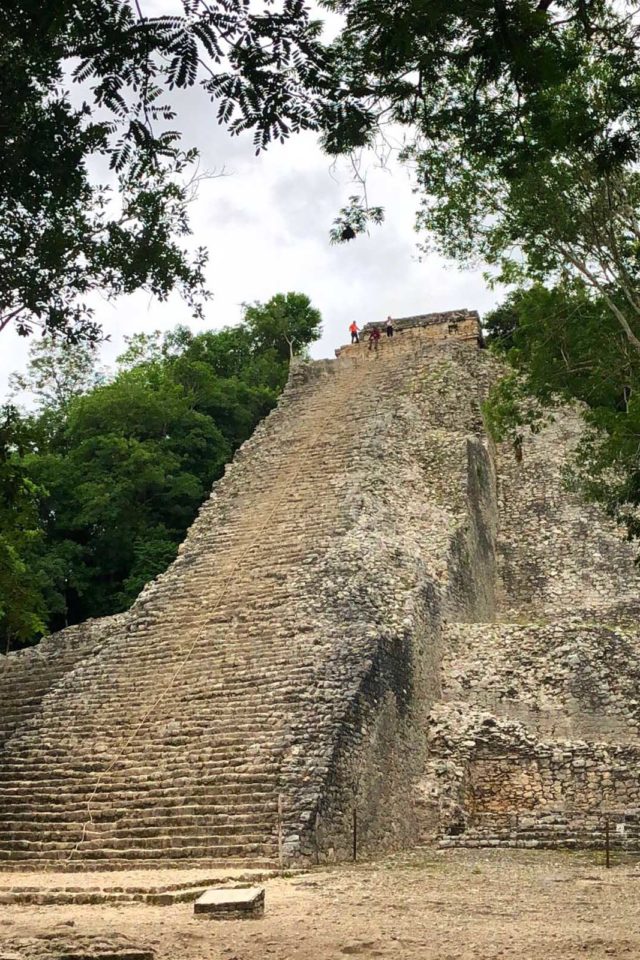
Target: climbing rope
(284, 488)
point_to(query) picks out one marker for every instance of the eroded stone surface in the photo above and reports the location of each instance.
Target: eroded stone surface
(227, 904)
(291, 651)
(71, 947)
(536, 738)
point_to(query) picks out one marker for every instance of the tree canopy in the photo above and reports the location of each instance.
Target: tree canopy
(85, 81)
(286, 324)
(22, 607)
(520, 122)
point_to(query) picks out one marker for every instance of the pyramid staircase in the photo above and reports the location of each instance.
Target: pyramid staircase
(204, 724)
(376, 611)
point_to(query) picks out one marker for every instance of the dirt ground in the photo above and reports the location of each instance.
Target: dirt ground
(456, 905)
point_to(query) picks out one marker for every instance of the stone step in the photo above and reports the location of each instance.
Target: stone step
(73, 865)
(75, 797)
(96, 835)
(227, 742)
(146, 766)
(167, 851)
(208, 813)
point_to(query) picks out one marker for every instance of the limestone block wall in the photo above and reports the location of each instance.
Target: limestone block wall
(455, 325)
(572, 776)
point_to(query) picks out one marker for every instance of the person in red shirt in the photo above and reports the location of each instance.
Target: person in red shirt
(374, 339)
(353, 330)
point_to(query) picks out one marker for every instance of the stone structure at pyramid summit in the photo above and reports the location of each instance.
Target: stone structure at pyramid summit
(376, 611)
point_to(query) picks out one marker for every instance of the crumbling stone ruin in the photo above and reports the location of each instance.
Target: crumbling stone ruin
(376, 611)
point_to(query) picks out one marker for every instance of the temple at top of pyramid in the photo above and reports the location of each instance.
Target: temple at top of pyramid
(458, 324)
(378, 610)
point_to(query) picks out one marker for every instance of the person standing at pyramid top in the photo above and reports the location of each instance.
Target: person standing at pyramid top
(389, 327)
(353, 330)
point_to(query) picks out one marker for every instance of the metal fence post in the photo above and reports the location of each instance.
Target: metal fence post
(316, 842)
(607, 858)
(355, 834)
(280, 844)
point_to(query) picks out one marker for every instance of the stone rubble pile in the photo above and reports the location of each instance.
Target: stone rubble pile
(537, 735)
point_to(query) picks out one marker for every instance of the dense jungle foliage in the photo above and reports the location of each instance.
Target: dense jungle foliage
(101, 481)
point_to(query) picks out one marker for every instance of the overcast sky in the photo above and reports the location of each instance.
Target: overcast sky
(266, 225)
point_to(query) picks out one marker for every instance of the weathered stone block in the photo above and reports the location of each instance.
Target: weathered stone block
(235, 903)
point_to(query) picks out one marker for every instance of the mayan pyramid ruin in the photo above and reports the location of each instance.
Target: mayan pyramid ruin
(376, 612)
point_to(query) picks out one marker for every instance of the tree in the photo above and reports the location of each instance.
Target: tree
(127, 473)
(57, 371)
(354, 220)
(521, 124)
(287, 323)
(567, 219)
(497, 80)
(565, 345)
(22, 608)
(63, 235)
(154, 346)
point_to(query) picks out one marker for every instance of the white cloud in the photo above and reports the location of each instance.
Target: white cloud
(266, 225)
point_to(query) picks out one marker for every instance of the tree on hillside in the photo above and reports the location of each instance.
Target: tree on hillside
(62, 233)
(287, 323)
(57, 371)
(154, 346)
(22, 607)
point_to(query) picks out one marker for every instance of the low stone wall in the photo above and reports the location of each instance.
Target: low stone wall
(458, 323)
(580, 829)
(557, 776)
(455, 325)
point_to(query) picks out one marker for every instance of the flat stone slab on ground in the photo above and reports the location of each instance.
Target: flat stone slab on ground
(230, 903)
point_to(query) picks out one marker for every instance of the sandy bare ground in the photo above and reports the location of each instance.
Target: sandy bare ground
(431, 906)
